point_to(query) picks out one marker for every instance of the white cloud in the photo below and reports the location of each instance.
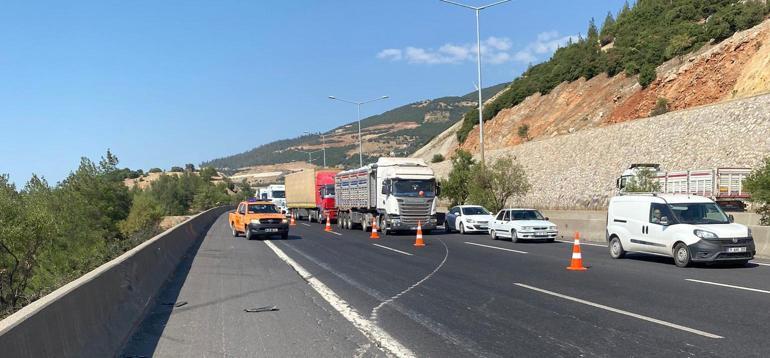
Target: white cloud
(494, 50)
(545, 44)
(392, 54)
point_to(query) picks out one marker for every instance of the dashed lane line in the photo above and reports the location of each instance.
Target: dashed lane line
(726, 285)
(306, 224)
(369, 328)
(619, 311)
(497, 248)
(759, 263)
(392, 249)
(334, 232)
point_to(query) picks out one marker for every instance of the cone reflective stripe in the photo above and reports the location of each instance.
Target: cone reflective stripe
(418, 241)
(292, 222)
(374, 234)
(577, 259)
(328, 224)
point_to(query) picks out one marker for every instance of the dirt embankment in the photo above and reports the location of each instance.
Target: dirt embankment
(735, 68)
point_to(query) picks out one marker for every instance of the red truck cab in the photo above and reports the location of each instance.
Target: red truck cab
(325, 198)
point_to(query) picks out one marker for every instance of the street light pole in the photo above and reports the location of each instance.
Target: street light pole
(358, 116)
(323, 144)
(477, 10)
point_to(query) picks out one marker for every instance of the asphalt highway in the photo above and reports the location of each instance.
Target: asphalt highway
(459, 296)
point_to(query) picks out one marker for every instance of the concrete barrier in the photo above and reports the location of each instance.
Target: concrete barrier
(94, 315)
(592, 227)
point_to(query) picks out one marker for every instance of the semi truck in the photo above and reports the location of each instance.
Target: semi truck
(723, 185)
(397, 192)
(275, 193)
(310, 195)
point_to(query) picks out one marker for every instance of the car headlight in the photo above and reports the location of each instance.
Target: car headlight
(707, 235)
(552, 228)
(527, 228)
(284, 221)
(470, 221)
(255, 221)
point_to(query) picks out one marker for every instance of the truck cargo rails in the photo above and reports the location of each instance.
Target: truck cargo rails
(310, 195)
(397, 192)
(723, 185)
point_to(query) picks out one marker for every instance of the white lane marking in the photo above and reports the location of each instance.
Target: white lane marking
(495, 247)
(375, 310)
(581, 243)
(726, 285)
(759, 263)
(306, 224)
(367, 327)
(630, 314)
(392, 249)
(335, 233)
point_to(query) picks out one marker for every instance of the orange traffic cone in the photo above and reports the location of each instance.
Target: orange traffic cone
(292, 222)
(374, 234)
(419, 242)
(577, 258)
(328, 224)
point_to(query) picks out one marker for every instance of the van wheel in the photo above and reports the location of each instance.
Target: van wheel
(681, 255)
(616, 248)
(493, 234)
(513, 236)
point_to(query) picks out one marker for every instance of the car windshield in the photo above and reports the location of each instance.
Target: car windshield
(699, 213)
(262, 209)
(414, 188)
(526, 215)
(279, 194)
(475, 211)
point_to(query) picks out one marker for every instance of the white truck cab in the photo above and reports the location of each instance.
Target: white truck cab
(275, 193)
(689, 228)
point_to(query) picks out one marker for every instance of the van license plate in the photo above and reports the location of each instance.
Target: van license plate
(736, 249)
(271, 230)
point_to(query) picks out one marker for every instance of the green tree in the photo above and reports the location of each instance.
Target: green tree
(176, 169)
(647, 75)
(607, 27)
(493, 185)
(679, 45)
(189, 167)
(456, 186)
(437, 158)
(523, 132)
(661, 107)
(155, 170)
(758, 184)
(643, 182)
(144, 216)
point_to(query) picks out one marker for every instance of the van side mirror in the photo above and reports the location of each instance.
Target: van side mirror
(664, 221)
(731, 217)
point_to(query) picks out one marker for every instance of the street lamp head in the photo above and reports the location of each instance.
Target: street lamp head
(332, 97)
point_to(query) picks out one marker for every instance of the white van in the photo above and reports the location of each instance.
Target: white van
(688, 228)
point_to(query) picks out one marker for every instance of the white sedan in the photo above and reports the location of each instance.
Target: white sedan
(518, 224)
(467, 219)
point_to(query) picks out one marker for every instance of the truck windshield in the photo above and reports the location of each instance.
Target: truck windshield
(699, 213)
(526, 215)
(279, 194)
(327, 191)
(262, 209)
(413, 188)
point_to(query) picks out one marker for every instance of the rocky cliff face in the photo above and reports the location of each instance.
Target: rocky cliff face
(735, 68)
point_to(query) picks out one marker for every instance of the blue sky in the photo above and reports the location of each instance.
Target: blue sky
(164, 83)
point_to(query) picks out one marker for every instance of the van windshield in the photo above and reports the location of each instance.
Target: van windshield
(699, 213)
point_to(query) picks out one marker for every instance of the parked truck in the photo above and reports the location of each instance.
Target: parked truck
(275, 193)
(398, 192)
(723, 185)
(310, 195)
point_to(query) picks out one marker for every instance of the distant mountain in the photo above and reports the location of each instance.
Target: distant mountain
(398, 132)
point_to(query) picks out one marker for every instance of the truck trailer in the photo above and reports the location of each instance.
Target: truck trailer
(723, 185)
(397, 192)
(310, 195)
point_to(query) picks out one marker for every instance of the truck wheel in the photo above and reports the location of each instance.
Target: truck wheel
(249, 236)
(513, 236)
(235, 232)
(383, 225)
(681, 255)
(364, 227)
(616, 248)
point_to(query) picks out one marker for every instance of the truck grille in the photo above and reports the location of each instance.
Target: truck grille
(414, 211)
(270, 221)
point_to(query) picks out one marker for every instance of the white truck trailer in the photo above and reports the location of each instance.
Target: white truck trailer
(398, 192)
(723, 185)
